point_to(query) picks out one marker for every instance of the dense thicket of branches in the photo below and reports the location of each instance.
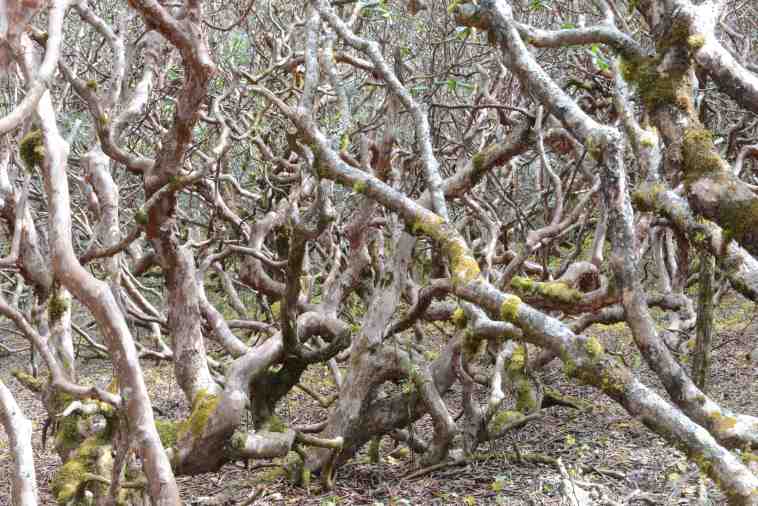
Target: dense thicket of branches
(296, 186)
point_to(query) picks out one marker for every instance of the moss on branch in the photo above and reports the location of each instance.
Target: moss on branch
(555, 291)
(34, 384)
(509, 308)
(459, 318)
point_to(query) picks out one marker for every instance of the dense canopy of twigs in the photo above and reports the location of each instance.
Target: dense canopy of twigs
(251, 189)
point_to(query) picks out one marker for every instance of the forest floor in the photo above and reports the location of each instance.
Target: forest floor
(599, 444)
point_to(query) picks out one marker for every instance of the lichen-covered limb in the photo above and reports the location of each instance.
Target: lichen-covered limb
(335, 443)
(215, 320)
(435, 289)
(665, 85)
(26, 253)
(198, 442)
(485, 160)
(445, 427)
(371, 363)
(701, 361)
(300, 234)
(261, 444)
(740, 266)
(715, 192)
(496, 16)
(558, 223)
(645, 142)
(585, 359)
(731, 77)
(86, 468)
(387, 415)
(585, 35)
(420, 121)
(18, 429)
(550, 295)
(625, 263)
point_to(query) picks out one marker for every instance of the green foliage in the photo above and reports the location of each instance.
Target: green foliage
(236, 49)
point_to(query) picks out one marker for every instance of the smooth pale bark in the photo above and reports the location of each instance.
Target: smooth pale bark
(16, 17)
(99, 299)
(18, 429)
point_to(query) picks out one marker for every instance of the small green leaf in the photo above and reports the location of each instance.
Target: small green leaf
(462, 32)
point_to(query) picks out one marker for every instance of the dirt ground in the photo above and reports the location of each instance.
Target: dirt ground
(600, 445)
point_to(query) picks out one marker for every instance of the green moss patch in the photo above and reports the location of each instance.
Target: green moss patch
(29, 381)
(459, 318)
(657, 88)
(699, 154)
(504, 418)
(31, 149)
(552, 290)
(167, 431)
(57, 307)
(509, 308)
(203, 407)
(68, 483)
